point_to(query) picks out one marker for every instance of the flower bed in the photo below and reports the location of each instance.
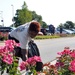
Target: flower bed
(9, 62)
(63, 65)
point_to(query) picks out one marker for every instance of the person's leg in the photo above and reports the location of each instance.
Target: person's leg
(23, 54)
(17, 51)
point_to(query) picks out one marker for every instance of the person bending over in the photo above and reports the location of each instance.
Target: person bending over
(24, 34)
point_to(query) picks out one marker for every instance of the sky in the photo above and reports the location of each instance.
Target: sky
(52, 11)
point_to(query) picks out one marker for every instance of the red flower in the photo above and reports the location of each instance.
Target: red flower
(72, 66)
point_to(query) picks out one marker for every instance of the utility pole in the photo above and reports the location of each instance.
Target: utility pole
(2, 20)
(13, 14)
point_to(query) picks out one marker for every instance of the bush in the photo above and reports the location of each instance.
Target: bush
(46, 37)
(65, 64)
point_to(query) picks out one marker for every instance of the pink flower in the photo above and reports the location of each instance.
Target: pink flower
(37, 58)
(59, 53)
(31, 61)
(3, 50)
(10, 45)
(66, 51)
(72, 54)
(23, 65)
(7, 59)
(9, 42)
(72, 66)
(59, 64)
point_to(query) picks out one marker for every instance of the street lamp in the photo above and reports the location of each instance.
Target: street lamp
(13, 14)
(1, 12)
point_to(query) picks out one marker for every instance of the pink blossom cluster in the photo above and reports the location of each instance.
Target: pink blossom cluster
(67, 57)
(72, 66)
(30, 62)
(6, 54)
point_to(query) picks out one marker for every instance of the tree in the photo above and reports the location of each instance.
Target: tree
(44, 25)
(22, 15)
(36, 17)
(68, 25)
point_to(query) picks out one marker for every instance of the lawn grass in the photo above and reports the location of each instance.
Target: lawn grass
(53, 36)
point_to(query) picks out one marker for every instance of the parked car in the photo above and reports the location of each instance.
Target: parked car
(58, 31)
(43, 30)
(6, 29)
(68, 31)
(73, 30)
(40, 33)
(64, 31)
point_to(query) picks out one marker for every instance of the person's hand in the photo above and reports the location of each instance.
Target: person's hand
(26, 54)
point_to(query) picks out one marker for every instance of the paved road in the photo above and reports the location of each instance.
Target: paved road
(49, 47)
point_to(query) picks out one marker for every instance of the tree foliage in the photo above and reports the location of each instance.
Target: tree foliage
(25, 15)
(22, 15)
(36, 17)
(70, 24)
(67, 25)
(44, 25)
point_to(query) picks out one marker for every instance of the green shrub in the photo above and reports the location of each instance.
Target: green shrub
(46, 37)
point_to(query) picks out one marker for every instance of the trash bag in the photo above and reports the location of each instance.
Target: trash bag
(34, 51)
